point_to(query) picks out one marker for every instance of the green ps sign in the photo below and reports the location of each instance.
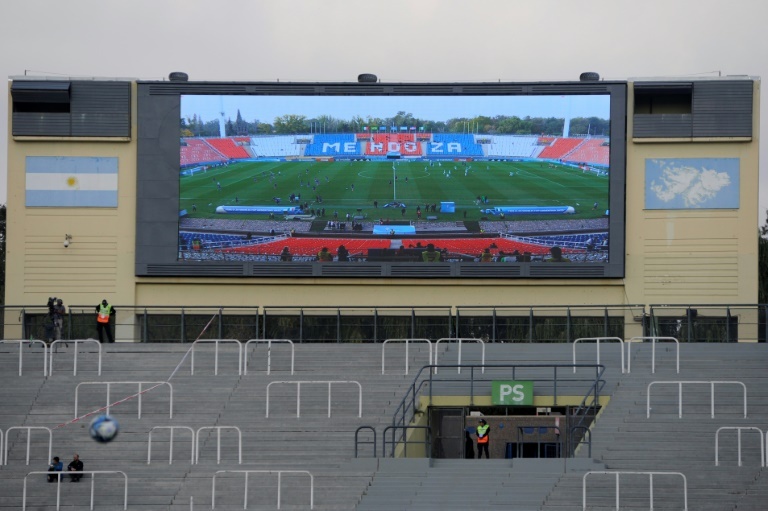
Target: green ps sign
(512, 392)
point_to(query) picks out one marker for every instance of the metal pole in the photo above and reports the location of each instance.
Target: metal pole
(530, 324)
(493, 336)
(183, 339)
(144, 328)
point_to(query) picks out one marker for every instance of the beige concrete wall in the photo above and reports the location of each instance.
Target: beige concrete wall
(99, 262)
(693, 256)
(700, 256)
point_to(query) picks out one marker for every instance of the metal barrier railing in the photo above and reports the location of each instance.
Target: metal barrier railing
(524, 323)
(170, 448)
(21, 351)
(218, 443)
(597, 344)
(29, 440)
(619, 473)
(298, 393)
(427, 442)
(109, 384)
(407, 358)
(653, 340)
(269, 353)
(279, 484)
(76, 342)
(359, 442)
(92, 473)
(460, 340)
(739, 429)
(216, 354)
(680, 394)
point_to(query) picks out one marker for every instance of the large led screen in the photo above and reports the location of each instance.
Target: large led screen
(386, 181)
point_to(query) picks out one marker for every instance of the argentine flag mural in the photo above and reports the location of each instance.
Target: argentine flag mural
(74, 182)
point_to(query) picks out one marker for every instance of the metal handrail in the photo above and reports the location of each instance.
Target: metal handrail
(680, 395)
(617, 474)
(427, 440)
(653, 340)
(29, 439)
(597, 343)
(358, 441)
(572, 440)
(139, 394)
(407, 343)
(460, 341)
(81, 472)
(76, 342)
(216, 355)
(170, 449)
(279, 484)
(218, 443)
(21, 351)
(298, 393)
(739, 430)
(269, 353)
(426, 377)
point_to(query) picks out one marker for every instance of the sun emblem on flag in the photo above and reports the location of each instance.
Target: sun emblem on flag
(71, 181)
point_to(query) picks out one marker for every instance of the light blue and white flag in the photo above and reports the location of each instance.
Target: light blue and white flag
(74, 182)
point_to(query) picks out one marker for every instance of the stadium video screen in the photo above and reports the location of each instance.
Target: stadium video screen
(353, 179)
(368, 180)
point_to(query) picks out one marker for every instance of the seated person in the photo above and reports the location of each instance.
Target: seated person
(55, 466)
(324, 256)
(556, 256)
(430, 255)
(75, 466)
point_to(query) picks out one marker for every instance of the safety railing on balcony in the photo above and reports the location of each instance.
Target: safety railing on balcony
(524, 323)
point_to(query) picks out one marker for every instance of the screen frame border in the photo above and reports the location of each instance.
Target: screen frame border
(157, 180)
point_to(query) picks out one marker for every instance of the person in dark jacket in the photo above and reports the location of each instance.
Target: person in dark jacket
(75, 466)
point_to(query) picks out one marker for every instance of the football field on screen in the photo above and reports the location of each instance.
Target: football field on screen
(353, 187)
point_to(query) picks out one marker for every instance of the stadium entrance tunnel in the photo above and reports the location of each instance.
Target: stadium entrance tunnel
(515, 431)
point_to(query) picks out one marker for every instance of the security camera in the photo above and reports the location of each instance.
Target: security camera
(67, 239)
(66, 243)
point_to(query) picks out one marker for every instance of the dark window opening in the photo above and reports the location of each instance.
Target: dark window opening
(674, 98)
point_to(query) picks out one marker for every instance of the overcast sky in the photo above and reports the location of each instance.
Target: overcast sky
(398, 40)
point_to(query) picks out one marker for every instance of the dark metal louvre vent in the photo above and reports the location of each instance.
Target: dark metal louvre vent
(566, 270)
(101, 109)
(195, 270)
(556, 88)
(177, 88)
(722, 109)
(426, 270)
(286, 270)
(351, 270)
(498, 271)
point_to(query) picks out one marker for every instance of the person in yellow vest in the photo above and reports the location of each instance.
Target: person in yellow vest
(104, 311)
(483, 439)
(430, 255)
(324, 255)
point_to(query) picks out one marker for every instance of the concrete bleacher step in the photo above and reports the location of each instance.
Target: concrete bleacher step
(622, 435)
